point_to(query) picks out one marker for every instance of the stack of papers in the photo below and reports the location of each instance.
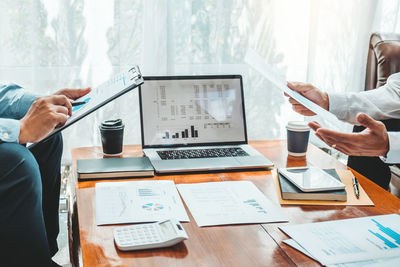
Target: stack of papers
(233, 202)
(367, 241)
(137, 202)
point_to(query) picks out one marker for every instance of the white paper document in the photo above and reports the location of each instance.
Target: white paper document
(232, 202)
(296, 245)
(350, 241)
(387, 262)
(137, 202)
(256, 62)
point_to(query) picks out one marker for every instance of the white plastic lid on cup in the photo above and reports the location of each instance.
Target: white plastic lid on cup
(298, 126)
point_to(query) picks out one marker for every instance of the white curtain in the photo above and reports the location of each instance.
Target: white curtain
(51, 44)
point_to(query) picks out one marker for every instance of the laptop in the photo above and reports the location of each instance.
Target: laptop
(196, 123)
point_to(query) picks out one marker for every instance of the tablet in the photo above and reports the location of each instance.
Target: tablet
(101, 95)
(311, 179)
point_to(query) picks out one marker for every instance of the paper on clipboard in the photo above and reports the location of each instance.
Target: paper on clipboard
(255, 61)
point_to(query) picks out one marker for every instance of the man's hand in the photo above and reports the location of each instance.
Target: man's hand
(46, 113)
(43, 116)
(373, 141)
(73, 93)
(312, 93)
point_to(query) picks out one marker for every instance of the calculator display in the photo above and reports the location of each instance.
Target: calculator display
(167, 228)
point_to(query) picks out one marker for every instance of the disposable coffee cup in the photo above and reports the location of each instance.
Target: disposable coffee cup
(112, 135)
(298, 133)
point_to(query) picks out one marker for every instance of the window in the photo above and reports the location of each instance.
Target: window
(51, 44)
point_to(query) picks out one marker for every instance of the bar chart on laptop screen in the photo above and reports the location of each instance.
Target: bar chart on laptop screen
(192, 111)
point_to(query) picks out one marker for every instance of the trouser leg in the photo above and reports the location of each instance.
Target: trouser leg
(48, 156)
(23, 240)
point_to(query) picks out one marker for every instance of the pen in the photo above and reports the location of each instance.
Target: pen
(78, 103)
(355, 186)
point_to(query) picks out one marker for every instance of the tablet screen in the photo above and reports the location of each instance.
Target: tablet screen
(311, 179)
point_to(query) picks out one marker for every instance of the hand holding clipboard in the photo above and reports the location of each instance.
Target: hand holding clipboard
(106, 92)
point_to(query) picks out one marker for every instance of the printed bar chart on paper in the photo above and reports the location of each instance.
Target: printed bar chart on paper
(387, 262)
(386, 235)
(350, 240)
(231, 202)
(138, 201)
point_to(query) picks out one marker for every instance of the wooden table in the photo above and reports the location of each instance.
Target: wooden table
(237, 245)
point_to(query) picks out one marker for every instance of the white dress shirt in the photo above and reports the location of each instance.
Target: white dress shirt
(381, 104)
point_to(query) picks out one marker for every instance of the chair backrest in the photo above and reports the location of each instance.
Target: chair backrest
(383, 60)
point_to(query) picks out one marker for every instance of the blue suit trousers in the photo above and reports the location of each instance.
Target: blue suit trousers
(29, 200)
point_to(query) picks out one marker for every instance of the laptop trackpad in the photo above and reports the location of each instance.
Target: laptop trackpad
(219, 163)
(256, 161)
(195, 164)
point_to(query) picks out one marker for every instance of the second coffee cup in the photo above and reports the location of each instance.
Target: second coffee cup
(298, 133)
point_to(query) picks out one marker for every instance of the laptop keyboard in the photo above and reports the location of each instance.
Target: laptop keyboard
(202, 153)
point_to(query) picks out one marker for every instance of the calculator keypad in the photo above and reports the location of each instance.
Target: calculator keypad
(136, 235)
(149, 235)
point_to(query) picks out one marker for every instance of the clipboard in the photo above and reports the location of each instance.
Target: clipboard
(106, 92)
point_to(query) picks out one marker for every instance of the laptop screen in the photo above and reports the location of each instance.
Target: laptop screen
(192, 110)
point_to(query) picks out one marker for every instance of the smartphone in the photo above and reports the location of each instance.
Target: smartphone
(311, 179)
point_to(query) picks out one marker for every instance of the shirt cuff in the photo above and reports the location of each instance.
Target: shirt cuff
(337, 102)
(9, 130)
(393, 155)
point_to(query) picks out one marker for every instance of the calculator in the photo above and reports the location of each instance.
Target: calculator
(149, 235)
